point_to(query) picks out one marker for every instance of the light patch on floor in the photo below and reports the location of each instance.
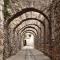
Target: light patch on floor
(29, 54)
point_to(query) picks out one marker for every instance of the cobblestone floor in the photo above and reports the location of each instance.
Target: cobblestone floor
(29, 54)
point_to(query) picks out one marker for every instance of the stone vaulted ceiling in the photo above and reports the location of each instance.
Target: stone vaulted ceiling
(18, 5)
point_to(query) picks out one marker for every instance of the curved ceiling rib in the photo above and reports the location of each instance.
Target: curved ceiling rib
(30, 25)
(28, 20)
(24, 11)
(28, 31)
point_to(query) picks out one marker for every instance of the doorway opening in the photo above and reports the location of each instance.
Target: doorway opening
(28, 41)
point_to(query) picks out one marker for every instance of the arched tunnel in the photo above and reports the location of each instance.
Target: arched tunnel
(30, 30)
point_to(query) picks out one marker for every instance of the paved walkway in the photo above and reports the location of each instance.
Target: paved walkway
(29, 54)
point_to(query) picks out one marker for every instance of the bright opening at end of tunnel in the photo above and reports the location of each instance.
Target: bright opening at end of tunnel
(28, 41)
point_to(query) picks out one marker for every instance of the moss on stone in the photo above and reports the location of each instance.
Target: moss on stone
(6, 13)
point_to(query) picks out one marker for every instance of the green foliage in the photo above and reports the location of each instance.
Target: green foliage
(6, 13)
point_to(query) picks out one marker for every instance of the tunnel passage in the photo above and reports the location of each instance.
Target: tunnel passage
(13, 37)
(48, 38)
(25, 28)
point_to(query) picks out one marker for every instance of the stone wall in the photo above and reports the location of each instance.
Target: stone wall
(55, 19)
(17, 5)
(53, 49)
(1, 29)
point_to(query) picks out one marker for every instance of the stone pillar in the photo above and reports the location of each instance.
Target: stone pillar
(1, 29)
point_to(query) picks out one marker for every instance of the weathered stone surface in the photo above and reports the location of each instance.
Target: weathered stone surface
(1, 29)
(55, 17)
(49, 39)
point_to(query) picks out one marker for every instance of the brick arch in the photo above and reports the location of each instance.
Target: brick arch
(29, 31)
(28, 20)
(24, 11)
(30, 25)
(31, 28)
